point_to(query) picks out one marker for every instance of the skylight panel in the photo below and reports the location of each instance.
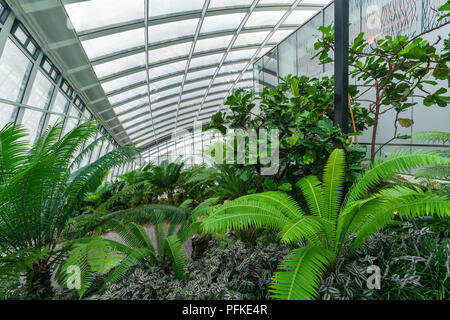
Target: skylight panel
(222, 22)
(123, 82)
(119, 65)
(232, 68)
(130, 115)
(131, 105)
(172, 30)
(201, 73)
(167, 7)
(264, 18)
(240, 55)
(165, 93)
(298, 17)
(169, 52)
(214, 4)
(128, 94)
(220, 88)
(206, 60)
(167, 69)
(196, 85)
(252, 38)
(213, 43)
(84, 15)
(166, 82)
(280, 35)
(114, 43)
(162, 104)
(195, 94)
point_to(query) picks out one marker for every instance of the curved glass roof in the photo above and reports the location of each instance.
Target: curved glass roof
(163, 64)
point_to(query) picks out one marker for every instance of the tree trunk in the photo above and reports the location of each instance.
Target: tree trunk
(170, 198)
(375, 130)
(39, 280)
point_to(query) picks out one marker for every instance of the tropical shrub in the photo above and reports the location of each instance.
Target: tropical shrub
(333, 220)
(395, 70)
(302, 110)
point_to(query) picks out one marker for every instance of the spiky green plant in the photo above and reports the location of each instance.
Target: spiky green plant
(95, 257)
(166, 177)
(333, 223)
(438, 171)
(40, 192)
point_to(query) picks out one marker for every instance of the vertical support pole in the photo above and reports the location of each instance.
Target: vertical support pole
(341, 21)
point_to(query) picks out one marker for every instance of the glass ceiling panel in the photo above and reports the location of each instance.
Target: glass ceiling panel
(280, 35)
(223, 22)
(164, 103)
(118, 65)
(131, 105)
(228, 3)
(113, 43)
(167, 69)
(166, 7)
(264, 18)
(213, 43)
(240, 54)
(128, 94)
(172, 30)
(169, 52)
(252, 38)
(132, 114)
(165, 82)
(171, 20)
(194, 94)
(124, 81)
(298, 17)
(206, 60)
(196, 85)
(85, 15)
(201, 74)
(163, 94)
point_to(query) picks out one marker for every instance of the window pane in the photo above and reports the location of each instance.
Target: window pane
(15, 69)
(41, 92)
(172, 30)
(32, 120)
(60, 103)
(6, 114)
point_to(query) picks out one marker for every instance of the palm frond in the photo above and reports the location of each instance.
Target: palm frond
(396, 163)
(313, 192)
(309, 228)
(333, 184)
(13, 151)
(432, 136)
(299, 274)
(174, 249)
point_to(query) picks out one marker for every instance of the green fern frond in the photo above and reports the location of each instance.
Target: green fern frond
(174, 249)
(13, 150)
(313, 192)
(242, 214)
(333, 184)
(309, 228)
(437, 172)
(432, 136)
(300, 274)
(396, 163)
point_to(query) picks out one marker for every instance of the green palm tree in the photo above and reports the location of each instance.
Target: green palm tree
(40, 192)
(334, 223)
(166, 177)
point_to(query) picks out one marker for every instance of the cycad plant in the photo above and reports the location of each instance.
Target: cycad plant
(166, 177)
(97, 256)
(40, 192)
(334, 223)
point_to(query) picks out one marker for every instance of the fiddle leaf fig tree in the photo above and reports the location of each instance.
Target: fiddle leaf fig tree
(400, 72)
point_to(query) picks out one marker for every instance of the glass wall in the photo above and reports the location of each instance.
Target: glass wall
(374, 18)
